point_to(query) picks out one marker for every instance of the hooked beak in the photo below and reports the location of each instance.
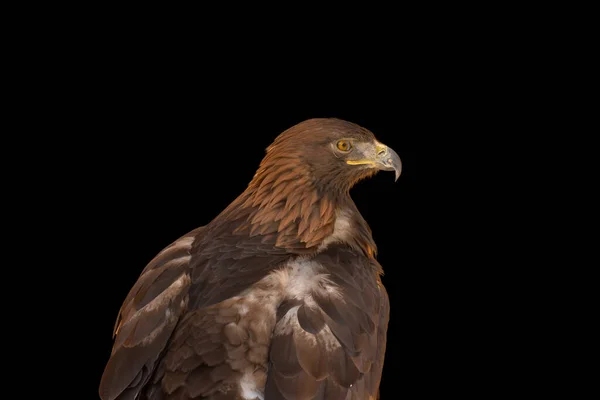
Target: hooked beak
(383, 158)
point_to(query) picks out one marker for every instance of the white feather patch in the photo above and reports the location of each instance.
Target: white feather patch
(342, 229)
(248, 387)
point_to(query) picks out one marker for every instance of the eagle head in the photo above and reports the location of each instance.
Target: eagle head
(335, 154)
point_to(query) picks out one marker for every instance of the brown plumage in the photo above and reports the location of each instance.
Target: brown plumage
(278, 297)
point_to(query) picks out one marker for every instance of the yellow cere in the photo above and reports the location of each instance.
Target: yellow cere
(360, 162)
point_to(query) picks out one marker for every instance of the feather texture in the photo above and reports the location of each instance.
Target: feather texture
(279, 297)
(327, 343)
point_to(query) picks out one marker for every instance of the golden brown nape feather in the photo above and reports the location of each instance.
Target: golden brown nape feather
(293, 197)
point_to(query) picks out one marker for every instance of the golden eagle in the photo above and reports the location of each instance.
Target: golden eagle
(278, 297)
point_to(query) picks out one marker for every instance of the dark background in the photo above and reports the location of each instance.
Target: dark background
(159, 164)
(131, 140)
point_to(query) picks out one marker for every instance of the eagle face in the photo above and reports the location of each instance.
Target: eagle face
(337, 153)
(278, 297)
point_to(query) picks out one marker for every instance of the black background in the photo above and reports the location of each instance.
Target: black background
(159, 163)
(133, 138)
(138, 141)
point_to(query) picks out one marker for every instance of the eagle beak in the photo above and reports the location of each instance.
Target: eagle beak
(383, 158)
(388, 160)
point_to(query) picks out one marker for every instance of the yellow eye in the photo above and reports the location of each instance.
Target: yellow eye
(344, 145)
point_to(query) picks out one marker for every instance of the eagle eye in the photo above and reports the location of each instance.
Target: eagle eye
(344, 145)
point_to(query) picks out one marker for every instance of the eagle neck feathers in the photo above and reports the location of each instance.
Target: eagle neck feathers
(285, 208)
